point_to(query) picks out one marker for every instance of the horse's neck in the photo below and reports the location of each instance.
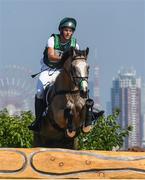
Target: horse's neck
(64, 82)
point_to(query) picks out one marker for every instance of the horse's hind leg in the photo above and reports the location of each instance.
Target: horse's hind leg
(37, 140)
(68, 143)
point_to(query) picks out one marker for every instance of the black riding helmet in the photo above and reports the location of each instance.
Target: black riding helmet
(68, 22)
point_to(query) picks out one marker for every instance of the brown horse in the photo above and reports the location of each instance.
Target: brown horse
(66, 103)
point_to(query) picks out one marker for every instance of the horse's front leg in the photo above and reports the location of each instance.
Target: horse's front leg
(69, 115)
(88, 115)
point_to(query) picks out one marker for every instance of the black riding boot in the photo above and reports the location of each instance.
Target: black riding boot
(39, 108)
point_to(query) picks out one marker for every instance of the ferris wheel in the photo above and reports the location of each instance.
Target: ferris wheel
(17, 89)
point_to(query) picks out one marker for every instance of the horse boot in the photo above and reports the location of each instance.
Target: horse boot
(39, 108)
(96, 115)
(89, 106)
(89, 115)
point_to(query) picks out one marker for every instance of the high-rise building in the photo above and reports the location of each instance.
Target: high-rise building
(108, 108)
(143, 131)
(143, 115)
(96, 93)
(126, 95)
(91, 89)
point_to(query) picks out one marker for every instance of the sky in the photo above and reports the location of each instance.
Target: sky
(114, 31)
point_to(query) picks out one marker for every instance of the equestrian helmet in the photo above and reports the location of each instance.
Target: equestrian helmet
(68, 22)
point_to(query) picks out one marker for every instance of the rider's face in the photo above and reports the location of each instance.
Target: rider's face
(67, 33)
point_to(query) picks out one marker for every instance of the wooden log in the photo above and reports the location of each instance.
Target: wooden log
(63, 163)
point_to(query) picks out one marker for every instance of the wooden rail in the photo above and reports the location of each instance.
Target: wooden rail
(46, 163)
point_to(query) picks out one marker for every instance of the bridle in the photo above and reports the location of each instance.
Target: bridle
(84, 78)
(73, 79)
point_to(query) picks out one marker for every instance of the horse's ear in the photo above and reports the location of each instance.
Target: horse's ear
(87, 51)
(74, 52)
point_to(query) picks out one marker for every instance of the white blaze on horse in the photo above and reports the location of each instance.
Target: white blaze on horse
(67, 101)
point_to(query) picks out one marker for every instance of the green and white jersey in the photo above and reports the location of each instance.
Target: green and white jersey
(54, 42)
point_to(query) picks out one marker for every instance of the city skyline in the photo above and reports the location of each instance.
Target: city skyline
(16, 91)
(7, 71)
(113, 30)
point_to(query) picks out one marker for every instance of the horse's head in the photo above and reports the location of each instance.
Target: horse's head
(78, 69)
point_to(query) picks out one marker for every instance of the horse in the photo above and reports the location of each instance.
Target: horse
(67, 103)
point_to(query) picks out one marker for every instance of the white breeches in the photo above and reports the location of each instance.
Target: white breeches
(46, 77)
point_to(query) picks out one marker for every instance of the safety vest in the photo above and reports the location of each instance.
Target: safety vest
(59, 50)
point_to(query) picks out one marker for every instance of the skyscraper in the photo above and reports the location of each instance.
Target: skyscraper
(126, 95)
(143, 115)
(96, 93)
(108, 108)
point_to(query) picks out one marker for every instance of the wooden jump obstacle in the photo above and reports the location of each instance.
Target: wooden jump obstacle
(45, 163)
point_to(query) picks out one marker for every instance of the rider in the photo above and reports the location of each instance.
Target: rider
(56, 45)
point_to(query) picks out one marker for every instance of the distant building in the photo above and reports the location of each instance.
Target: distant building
(143, 115)
(96, 88)
(91, 89)
(126, 95)
(17, 89)
(143, 131)
(108, 108)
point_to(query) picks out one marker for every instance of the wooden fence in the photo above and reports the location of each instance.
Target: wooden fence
(45, 163)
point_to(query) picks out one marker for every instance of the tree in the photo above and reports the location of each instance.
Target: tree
(105, 135)
(14, 131)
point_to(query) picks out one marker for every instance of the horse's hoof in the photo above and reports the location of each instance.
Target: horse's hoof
(87, 129)
(70, 134)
